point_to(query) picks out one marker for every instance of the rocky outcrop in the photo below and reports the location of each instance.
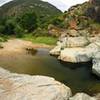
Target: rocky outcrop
(97, 96)
(96, 64)
(82, 48)
(74, 55)
(82, 96)
(25, 87)
(77, 42)
(56, 51)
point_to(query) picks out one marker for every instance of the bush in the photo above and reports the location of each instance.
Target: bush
(58, 22)
(9, 27)
(2, 27)
(40, 32)
(28, 21)
(19, 31)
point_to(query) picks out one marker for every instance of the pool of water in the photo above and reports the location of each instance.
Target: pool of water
(77, 76)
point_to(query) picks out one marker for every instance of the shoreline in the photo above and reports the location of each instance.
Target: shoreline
(19, 46)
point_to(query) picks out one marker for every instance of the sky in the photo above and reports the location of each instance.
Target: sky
(63, 5)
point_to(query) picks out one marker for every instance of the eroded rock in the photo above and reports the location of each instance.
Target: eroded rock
(76, 42)
(74, 55)
(56, 51)
(96, 64)
(79, 48)
(26, 87)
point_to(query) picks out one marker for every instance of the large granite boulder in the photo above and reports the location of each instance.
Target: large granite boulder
(92, 49)
(79, 46)
(97, 96)
(73, 33)
(26, 87)
(76, 42)
(96, 64)
(74, 55)
(82, 96)
(69, 42)
(56, 51)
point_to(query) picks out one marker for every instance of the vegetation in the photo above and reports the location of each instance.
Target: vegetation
(43, 10)
(82, 16)
(28, 19)
(40, 39)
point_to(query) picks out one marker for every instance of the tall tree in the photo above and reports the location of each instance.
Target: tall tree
(28, 21)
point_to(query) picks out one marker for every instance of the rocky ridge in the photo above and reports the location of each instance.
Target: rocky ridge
(79, 48)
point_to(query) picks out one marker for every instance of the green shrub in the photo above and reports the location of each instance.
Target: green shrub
(19, 31)
(28, 21)
(9, 27)
(40, 32)
(2, 27)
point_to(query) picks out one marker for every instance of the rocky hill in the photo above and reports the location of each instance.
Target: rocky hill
(82, 16)
(79, 40)
(43, 10)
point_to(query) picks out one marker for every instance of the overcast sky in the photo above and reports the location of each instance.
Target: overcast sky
(61, 4)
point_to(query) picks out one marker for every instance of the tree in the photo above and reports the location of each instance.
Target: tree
(9, 27)
(19, 31)
(28, 21)
(2, 27)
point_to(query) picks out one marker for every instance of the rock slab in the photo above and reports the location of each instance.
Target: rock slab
(82, 96)
(25, 87)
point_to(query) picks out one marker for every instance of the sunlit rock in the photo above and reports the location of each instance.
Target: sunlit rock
(74, 55)
(26, 87)
(96, 64)
(56, 50)
(82, 96)
(72, 42)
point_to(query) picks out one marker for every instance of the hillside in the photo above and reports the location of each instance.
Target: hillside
(84, 16)
(43, 10)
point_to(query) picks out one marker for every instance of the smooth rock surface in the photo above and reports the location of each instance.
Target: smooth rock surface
(26, 87)
(79, 49)
(97, 96)
(92, 49)
(56, 51)
(82, 96)
(72, 42)
(74, 55)
(96, 64)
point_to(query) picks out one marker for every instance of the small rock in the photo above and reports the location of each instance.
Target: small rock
(82, 96)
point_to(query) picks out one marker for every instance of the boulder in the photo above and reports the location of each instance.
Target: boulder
(74, 55)
(76, 42)
(73, 33)
(82, 96)
(97, 96)
(80, 54)
(25, 87)
(93, 48)
(96, 64)
(56, 51)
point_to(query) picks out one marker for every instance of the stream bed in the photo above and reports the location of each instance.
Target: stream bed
(78, 77)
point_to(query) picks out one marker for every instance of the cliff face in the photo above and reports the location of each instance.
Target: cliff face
(81, 40)
(84, 16)
(94, 10)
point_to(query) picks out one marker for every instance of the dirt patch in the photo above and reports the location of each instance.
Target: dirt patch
(18, 46)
